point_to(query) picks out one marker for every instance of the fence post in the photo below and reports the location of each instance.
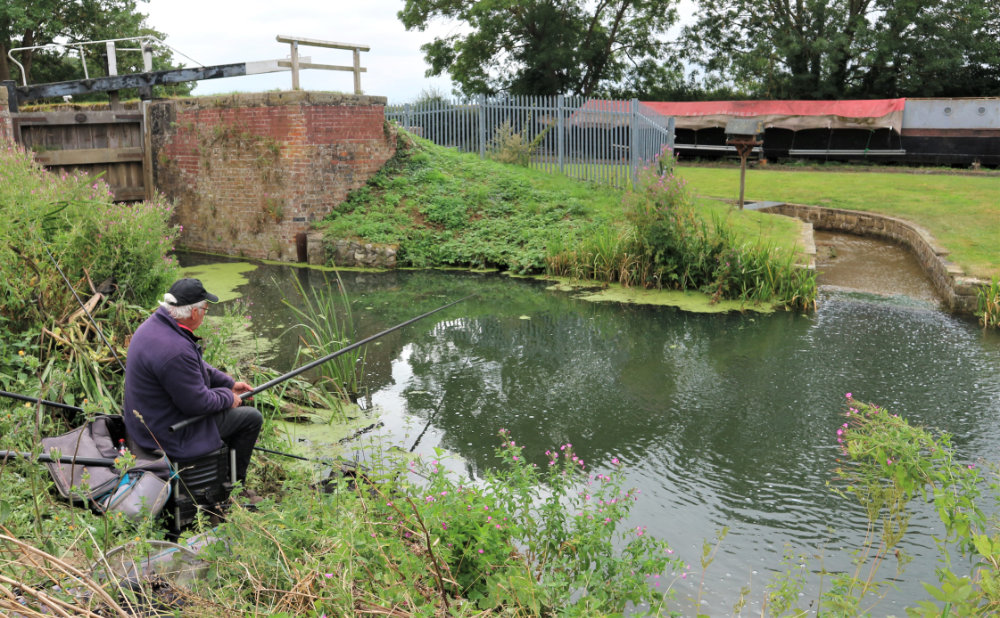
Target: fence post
(357, 71)
(407, 118)
(671, 124)
(634, 141)
(561, 132)
(295, 65)
(482, 126)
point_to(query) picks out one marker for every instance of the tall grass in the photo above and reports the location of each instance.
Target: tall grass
(988, 304)
(666, 243)
(326, 326)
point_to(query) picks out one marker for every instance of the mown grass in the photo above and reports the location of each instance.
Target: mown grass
(962, 212)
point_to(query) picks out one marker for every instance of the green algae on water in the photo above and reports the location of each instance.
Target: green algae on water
(693, 302)
(222, 278)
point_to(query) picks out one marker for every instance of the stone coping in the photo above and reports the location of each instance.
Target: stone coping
(960, 292)
(278, 98)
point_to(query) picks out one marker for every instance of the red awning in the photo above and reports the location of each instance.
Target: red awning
(795, 115)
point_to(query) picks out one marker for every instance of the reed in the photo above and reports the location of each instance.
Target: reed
(326, 326)
(988, 304)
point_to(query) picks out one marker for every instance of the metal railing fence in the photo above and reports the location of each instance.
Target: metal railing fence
(599, 140)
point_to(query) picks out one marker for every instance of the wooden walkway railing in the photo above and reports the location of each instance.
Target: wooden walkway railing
(295, 64)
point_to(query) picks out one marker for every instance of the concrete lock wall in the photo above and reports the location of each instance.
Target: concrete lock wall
(959, 292)
(248, 173)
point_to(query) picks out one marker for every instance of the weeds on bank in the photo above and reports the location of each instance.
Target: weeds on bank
(988, 304)
(669, 245)
(525, 541)
(91, 238)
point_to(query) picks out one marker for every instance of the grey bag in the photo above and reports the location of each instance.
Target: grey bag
(103, 486)
(139, 492)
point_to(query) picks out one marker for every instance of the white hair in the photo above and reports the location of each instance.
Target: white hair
(180, 312)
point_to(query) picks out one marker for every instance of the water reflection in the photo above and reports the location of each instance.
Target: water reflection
(723, 420)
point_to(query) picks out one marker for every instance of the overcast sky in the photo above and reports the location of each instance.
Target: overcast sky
(227, 31)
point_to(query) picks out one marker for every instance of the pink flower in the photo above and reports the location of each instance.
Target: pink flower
(848, 395)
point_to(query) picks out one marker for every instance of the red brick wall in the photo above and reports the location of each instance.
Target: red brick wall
(250, 172)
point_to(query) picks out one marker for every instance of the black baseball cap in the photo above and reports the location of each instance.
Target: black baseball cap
(190, 291)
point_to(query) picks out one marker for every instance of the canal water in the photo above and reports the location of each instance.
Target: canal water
(725, 420)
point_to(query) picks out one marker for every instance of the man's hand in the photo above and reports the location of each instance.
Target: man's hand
(238, 389)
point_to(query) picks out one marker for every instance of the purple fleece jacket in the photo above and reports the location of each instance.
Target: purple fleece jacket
(166, 381)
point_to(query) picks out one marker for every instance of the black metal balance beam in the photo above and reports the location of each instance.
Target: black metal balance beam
(108, 83)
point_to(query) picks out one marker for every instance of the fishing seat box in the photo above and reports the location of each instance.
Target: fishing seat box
(203, 483)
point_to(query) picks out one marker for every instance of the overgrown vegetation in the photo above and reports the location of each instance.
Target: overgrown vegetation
(443, 208)
(326, 326)
(892, 463)
(671, 245)
(988, 304)
(70, 222)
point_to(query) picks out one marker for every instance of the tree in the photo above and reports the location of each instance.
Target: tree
(543, 47)
(28, 23)
(821, 49)
(920, 48)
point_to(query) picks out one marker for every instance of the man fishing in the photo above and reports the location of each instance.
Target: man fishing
(167, 381)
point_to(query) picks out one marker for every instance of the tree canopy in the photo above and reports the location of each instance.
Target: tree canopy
(776, 49)
(544, 47)
(822, 49)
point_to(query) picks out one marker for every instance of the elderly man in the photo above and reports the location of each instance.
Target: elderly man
(167, 381)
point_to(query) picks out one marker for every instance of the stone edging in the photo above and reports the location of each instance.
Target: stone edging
(347, 252)
(959, 292)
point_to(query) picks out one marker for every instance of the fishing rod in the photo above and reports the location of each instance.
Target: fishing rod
(328, 357)
(66, 406)
(84, 307)
(54, 404)
(80, 461)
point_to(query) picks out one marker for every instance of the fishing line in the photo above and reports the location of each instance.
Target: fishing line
(437, 408)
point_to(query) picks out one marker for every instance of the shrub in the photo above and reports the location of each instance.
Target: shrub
(73, 217)
(69, 222)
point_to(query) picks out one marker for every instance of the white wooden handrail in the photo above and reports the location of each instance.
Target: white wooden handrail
(295, 65)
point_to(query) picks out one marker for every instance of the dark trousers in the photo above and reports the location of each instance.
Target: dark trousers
(239, 428)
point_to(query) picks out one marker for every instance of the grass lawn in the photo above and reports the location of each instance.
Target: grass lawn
(961, 211)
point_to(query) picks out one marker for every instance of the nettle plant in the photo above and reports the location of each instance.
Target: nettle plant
(892, 462)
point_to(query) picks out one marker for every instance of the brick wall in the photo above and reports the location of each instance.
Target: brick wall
(248, 173)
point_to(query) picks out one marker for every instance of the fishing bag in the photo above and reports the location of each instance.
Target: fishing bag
(138, 492)
(105, 487)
